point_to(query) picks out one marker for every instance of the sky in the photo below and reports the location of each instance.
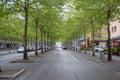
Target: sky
(58, 44)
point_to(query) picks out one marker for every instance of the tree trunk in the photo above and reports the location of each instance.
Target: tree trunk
(31, 42)
(79, 40)
(41, 39)
(93, 37)
(9, 42)
(85, 39)
(17, 40)
(44, 40)
(25, 57)
(109, 35)
(0, 69)
(47, 41)
(51, 40)
(36, 44)
(76, 43)
(1, 49)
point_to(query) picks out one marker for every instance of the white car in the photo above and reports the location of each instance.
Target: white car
(20, 50)
(98, 48)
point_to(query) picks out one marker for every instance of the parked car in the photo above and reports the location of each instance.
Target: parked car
(29, 49)
(20, 50)
(65, 48)
(99, 48)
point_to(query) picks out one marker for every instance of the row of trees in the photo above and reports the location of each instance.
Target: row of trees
(31, 20)
(50, 20)
(38, 19)
(89, 15)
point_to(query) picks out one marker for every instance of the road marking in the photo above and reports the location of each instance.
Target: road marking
(74, 58)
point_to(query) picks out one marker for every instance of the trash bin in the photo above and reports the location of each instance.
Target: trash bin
(102, 55)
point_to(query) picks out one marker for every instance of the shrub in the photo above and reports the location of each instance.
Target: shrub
(106, 50)
(90, 49)
(82, 49)
(118, 49)
(114, 50)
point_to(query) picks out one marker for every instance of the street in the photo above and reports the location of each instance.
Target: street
(62, 65)
(60, 40)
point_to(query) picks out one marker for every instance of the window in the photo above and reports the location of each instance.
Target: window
(114, 29)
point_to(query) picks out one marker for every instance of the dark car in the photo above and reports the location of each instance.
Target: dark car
(65, 48)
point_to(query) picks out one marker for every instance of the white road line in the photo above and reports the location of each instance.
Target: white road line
(74, 58)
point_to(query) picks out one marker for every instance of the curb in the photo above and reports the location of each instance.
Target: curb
(38, 60)
(12, 77)
(18, 73)
(26, 61)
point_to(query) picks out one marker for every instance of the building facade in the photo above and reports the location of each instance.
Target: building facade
(115, 33)
(101, 36)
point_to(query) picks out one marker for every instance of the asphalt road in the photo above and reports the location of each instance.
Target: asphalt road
(61, 65)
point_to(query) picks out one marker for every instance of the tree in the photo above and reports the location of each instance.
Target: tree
(4, 13)
(26, 7)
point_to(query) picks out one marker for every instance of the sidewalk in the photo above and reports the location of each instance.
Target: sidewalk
(114, 64)
(7, 52)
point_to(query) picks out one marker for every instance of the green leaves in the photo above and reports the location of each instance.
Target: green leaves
(61, 18)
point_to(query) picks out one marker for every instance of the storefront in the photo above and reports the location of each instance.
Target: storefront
(116, 41)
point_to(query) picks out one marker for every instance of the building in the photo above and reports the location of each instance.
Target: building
(115, 33)
(101, 36)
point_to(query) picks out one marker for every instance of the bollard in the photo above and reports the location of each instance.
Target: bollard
(102, 55)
